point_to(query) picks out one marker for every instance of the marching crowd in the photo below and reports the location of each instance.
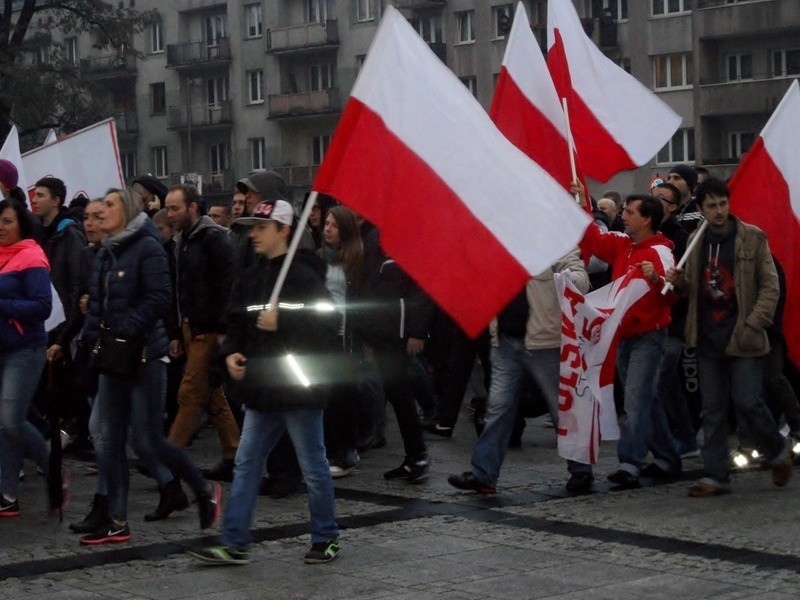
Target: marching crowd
(169, 321)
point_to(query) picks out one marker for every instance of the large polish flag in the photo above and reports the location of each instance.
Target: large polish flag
(87, 161)
(525, 106)
(616, 122)
(765, 191)
(467, 214)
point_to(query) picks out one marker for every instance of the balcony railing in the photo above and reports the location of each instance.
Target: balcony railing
(112, 65)
(753, 96)
(298, 176)
(420, 4)
(214, 182)
(720, 19)
(305, 36)
(197, 53)
(202, 115)
(304, 103)
(127, 123)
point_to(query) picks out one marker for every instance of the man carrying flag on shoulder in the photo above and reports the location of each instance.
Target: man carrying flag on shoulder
(642, 333)
(732, 287)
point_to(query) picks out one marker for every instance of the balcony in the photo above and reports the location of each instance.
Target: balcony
(199, 54)
(304, 104)
(419, 4)
(299, 176)
(439, 49)
(127, 123)
(717, 19)
(755, 96)
(308, 37)
(215, 183)
(109, 67)
(202, 116)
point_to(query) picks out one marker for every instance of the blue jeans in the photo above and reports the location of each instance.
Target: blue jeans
(260, 432)
(645, 426)
(511, 362)
(738, 379)
(672, 394)
(142, 400)
(19, 373)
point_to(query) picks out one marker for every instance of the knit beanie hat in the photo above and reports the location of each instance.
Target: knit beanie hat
(8, 174)
(687, 173)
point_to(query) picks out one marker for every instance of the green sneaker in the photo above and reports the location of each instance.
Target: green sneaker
(220, 555)
(322, 552)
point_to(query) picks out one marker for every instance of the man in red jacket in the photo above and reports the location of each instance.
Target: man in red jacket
(642, 335)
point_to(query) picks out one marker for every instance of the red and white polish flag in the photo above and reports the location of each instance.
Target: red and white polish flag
(617, 123)
(467, 214)
(765, 191)
(525, 105)
(589, 325)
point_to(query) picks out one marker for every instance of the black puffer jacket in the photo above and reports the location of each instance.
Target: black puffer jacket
(304, 331)
(64, 248)
(129, 288)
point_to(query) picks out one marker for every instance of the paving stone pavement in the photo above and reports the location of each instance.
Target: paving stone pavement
(532, 540)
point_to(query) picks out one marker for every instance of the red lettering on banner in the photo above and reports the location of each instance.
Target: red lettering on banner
(575, 299)
(571, 349)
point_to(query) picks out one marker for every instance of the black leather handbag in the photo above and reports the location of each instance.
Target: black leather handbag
(118, 357)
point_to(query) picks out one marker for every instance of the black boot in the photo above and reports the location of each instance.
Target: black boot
(171, 498)
(97, 517)
(223, 471)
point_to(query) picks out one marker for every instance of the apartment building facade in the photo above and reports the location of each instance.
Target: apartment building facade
(225, 88)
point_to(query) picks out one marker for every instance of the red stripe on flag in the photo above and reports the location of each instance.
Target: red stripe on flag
(529, 130)
(601, 156)
(424, 225)
(760, 195)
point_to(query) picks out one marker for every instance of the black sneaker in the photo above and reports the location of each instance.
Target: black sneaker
(623, 480)
(440, 430)
(413, 472)
(8, 508)
(220, 555)
(468, 481)
(580, 483)
(322, 552)
(346, 464)
(655, 472)
(209, 506)
(110, 533)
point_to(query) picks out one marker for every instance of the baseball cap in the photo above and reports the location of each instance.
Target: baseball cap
(274, 210)
(269, 184)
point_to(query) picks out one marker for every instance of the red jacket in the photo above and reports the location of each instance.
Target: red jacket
(650, 312)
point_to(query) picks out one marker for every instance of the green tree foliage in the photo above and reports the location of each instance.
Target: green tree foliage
(40, 87)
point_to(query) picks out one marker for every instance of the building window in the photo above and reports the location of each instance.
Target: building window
(429, 28)
(258, 154)
(672, 71)
(317, 11)
(127, 161)
(253, 18)
(43, 55)
(365, 10)
(465, 30)
(740, 142)
(679, 149)
(321, 77)
(158, 98)
(786, 63)
(740, 66)
(217, 90)
(502, 17)
(670, 7)
(360, 62)
(255, 86)
(160, 166)
(219, 157)
(319, 146)
(216, 29)
(156, 38)
(471, 83)
(617, 8)
(71, 49)
(625, 64)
